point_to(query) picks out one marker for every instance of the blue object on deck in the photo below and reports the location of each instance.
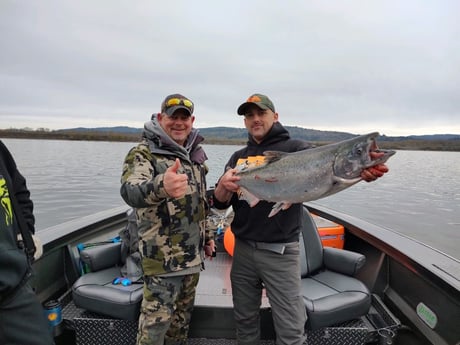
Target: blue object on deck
(121, 280)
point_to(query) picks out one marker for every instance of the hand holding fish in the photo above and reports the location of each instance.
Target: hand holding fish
(373, 173)
(229, 180)
(175, 184)
(226, 185)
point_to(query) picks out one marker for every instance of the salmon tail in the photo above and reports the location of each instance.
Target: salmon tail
(282, 205)
(251, 199)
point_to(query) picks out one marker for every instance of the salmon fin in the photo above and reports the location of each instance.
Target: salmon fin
(273, 156)
(279, 206)
(251, 199)
(348, 182)
(247, 166)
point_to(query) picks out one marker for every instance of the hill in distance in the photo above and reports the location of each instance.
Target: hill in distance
(233, 133)
(238, 136)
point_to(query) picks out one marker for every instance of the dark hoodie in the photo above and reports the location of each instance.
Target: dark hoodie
(14, 266)
(252, 223)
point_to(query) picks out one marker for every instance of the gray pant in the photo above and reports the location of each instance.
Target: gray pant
(254, 269)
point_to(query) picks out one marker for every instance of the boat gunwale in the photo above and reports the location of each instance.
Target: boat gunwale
(414, 255)
(70, 231)
(411, 254)
(404, 249)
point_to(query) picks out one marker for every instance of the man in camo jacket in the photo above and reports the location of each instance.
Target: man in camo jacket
(164, 180)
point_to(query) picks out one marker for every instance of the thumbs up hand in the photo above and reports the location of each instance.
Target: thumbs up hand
(175, 184)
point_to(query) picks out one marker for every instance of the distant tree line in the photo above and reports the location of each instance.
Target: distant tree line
(218, 137)
(70, 135)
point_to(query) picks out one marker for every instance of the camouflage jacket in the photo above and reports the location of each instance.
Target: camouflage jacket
(171, 231)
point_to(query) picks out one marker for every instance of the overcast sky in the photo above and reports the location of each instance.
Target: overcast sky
(355, 66)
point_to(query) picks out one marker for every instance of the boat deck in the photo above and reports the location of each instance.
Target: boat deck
(401, 272)
(214, 288)
(213, 322)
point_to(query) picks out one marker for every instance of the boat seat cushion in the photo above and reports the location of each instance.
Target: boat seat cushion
(331, 298)
(330, 291)
(103, 256)
(343, 261)
(96, 292)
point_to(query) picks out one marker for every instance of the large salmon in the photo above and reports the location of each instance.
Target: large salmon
(287, 178)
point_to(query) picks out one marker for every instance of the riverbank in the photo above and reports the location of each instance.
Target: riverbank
(408, 144)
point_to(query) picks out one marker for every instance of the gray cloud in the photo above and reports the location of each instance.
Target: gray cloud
(357, 66)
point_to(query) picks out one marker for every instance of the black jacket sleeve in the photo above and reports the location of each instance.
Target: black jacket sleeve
(21, 192)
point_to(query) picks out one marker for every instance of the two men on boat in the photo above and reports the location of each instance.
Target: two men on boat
(164, 180)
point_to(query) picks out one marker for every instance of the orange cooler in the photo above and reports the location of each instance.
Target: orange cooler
(332, 234)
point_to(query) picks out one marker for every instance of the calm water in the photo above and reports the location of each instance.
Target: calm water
(419, 197)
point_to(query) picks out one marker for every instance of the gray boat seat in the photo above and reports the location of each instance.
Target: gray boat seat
(330, 292)
(95, 291)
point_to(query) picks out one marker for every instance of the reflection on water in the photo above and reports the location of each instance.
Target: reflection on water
(419, 197)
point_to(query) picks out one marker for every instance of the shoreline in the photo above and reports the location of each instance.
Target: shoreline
(408, 144)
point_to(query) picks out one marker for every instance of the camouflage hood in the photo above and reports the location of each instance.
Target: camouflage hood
(161, 143)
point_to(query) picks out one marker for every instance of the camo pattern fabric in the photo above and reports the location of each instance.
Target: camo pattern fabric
(171, 230)
(166, 309)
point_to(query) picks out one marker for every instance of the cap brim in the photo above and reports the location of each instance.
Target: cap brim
(242, 108)
(171, 110)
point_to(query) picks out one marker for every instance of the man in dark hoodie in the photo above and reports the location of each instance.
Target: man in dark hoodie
(22, 318)
(164, 180)
(276, 267)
